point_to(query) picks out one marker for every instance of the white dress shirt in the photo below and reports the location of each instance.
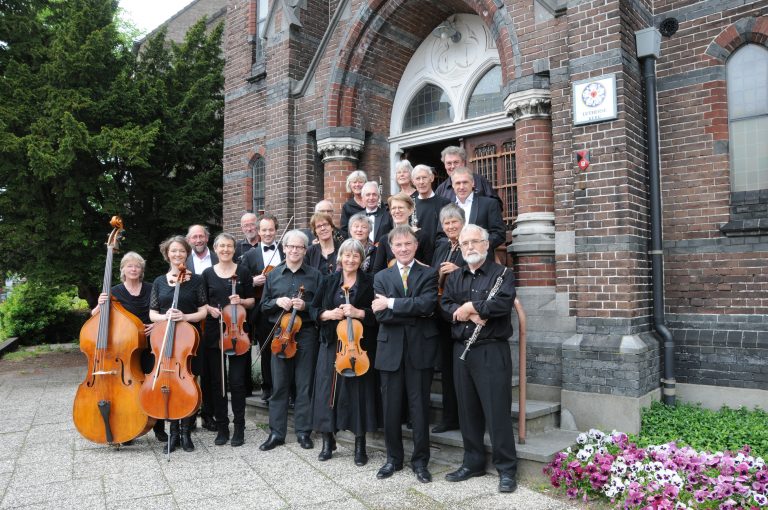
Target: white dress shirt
(201, 263)
(269, 259)
(467, 206)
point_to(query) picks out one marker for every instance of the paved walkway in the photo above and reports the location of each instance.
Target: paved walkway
(44, 463)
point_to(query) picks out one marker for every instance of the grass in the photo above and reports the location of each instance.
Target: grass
(27, 353)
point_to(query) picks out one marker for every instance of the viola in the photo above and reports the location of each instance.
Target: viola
(106, 407)
(284, 341)
(172, 392)
(351, 359)
(235, 340)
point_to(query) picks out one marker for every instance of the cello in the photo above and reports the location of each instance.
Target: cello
(284, 342)
(172, 392)
(234, 340)
(351, 359)
(106, 408)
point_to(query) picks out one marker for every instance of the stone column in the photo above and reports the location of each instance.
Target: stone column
(340, 157)
(533, 235)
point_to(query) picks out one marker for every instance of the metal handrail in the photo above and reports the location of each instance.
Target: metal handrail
(521, 324)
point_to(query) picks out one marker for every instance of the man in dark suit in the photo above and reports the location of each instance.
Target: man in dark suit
(381, 221)
(406, 297)
(266, 253)
(478, 210)
(454, 157)
(201, 257)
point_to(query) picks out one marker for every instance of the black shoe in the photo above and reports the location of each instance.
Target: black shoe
(159, 429)
(238, 436)
(462, 474)
(271, 442)
(222, 435)
(209, 423)
(186, 439)
(175, 437)
(305, 441)
(265, 395)
(361, 457)
(507, 483)
(422, 474)
(329, 445)
(444, 427)
(388, 470)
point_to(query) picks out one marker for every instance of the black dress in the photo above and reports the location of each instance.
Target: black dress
(218, 290)
(357, 406)
(349, 209)
(138, 306)
(314, 258)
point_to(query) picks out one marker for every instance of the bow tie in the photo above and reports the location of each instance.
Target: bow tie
(371, 213)
(270, 247)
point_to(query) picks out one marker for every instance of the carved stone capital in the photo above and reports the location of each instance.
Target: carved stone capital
(533, 234)
(339, 148)
(531, 103)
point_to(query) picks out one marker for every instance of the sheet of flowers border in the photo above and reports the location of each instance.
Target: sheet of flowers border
(658, 477)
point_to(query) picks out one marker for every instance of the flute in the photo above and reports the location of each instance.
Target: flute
(478, 327)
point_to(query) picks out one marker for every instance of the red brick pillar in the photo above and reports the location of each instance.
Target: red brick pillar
(340, 157)
(533, 236)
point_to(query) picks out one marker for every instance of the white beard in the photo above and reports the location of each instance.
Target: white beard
(475, 258)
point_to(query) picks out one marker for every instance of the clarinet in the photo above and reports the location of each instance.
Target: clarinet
(478, 327)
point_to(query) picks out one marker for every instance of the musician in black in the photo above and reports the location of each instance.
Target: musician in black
(280, 298)
(360, 229)
(354, 406)
(218, 288)
(479, 298)
(190, 308)
(446, 260)
(322, 254)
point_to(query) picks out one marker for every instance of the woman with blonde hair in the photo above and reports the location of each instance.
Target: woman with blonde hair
(355, 204)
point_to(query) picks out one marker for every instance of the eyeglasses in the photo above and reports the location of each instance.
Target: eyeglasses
(472, 242)
(293, 247)
(324, 225)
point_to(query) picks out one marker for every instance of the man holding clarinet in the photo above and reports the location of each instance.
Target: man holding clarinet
(478, 299)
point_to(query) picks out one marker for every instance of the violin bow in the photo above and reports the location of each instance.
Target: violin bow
(221, 340)
(279, 241)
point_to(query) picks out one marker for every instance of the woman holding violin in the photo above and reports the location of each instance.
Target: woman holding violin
(322, 255)
(401, 207)
(287, 304)
(230, 306)
(190, 308)
(346, 401)
(133, 293)
(360, 230)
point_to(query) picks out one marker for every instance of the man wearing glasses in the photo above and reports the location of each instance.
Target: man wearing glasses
(281, 297)
(477, 299)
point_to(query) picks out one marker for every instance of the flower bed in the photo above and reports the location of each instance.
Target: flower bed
(608, 466)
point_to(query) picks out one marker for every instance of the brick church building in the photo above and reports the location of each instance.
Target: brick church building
(317, 89)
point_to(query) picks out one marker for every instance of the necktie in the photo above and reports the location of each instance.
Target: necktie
(270, 247)
(404, 276)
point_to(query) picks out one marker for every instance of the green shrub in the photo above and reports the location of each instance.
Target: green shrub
(41, 314)
(704, 429)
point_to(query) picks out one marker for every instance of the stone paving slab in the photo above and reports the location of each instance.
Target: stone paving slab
(44, 463)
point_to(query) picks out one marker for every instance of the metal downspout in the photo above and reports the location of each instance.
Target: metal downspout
(657, 252)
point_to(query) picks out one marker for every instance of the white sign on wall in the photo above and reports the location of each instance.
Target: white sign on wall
(594, 100)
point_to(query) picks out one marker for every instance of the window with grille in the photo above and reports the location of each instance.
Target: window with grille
(258, 174)
(486, 98)
(497, 164)
(430, 107)
(747, 81)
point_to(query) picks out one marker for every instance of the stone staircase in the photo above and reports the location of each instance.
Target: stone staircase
(543, 439)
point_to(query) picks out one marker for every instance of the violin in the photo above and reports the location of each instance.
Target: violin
(351, 359)
(106, 408)
(284, 341)
(235, 340)
(172, 392)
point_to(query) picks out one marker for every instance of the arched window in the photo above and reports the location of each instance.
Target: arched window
(258, 176)
(747, 79)
(430, 107)
(486, 98)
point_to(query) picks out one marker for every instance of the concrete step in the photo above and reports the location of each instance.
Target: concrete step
(540, 415)
(539, 448)
(437, 384)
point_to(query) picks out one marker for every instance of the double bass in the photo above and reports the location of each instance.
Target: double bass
(106, 408)
(351, 359)
(171, 392)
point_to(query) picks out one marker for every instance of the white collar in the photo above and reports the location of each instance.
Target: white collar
(410, 266)
(466, 202)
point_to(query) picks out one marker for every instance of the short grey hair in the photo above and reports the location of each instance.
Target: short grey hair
(296, 234)
(453, 150)
(421, 168)
(351, 245)
(371, 184)
(360, 217)
(471, 227)
(462, 170)
(357, 175)
(452, 212)
(401, 231)
(224, 235)
(205, 230)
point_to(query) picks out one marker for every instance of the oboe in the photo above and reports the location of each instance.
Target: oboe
(478, 327)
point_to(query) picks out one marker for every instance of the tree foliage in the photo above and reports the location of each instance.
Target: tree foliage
(88, 129)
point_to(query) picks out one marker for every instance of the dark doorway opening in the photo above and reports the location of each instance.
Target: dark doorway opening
(429, 155)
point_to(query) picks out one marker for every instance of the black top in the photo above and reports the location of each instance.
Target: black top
(360, 296)
(428, 218)
(462, 286)
(191, 295)
(314, 258)
(369, 259)
(349, 209)
(241, 248)
(217, 291)
(137, 305)
(443, 253)
(282, 282)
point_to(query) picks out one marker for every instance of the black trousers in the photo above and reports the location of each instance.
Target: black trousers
(261, 331)
(415, 384)
(450, 405)
(484, 392)
(239, 370)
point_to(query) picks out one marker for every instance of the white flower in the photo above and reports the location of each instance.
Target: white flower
(583, 455)
(618, 468)
(681, 506)
(759, 463)
(596, 434)
(581, 438)
(760, 499)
